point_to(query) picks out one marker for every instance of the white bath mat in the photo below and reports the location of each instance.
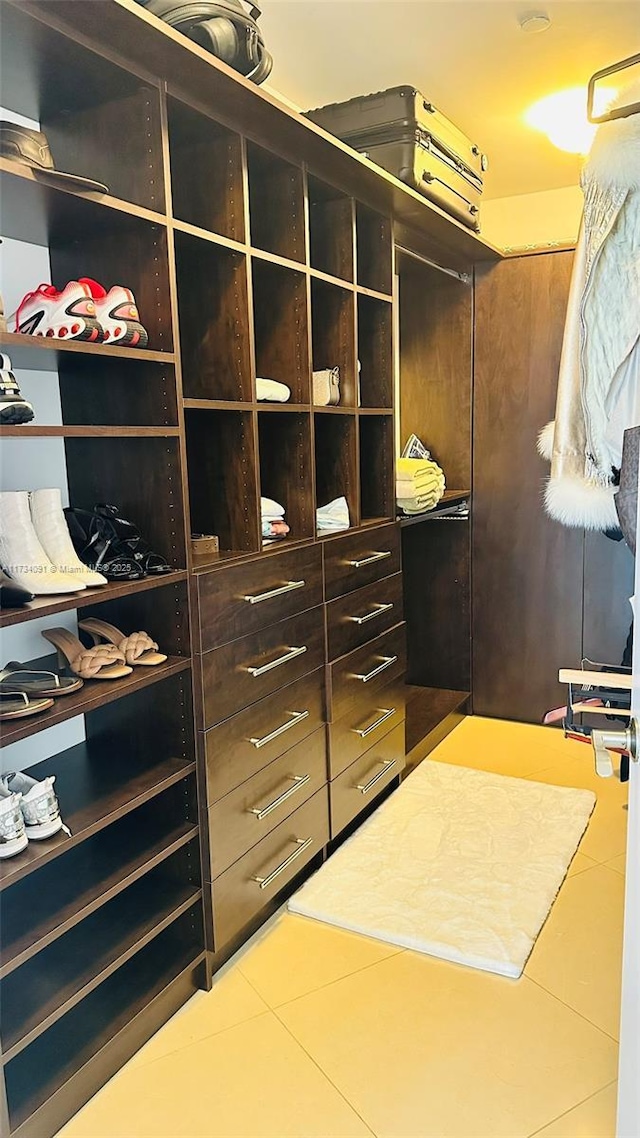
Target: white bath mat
(458, 863)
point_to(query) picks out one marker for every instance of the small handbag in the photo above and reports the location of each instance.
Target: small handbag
(326, 387)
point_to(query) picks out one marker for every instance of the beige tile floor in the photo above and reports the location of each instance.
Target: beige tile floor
(311, 1032)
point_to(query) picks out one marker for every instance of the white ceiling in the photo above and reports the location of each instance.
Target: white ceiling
(470, 58)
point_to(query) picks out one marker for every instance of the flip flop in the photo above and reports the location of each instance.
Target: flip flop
(35, 682)
(137, 647)
(17, 705)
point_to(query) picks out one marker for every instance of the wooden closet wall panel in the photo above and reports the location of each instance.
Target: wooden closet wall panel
(435, 365)
(527, 569)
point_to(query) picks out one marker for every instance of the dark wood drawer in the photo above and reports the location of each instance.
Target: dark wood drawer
(248, 669)
(359, 785)
(245, 598)
(353, 679)
(241, 746)
(359, 617)
(239, 821)
(237, 896)
(357, 560)
(364, 725)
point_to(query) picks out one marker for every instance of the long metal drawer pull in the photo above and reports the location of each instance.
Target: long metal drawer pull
(296, 717)
(299, 780)
(387, 712)
(302, 845)
(256, 598)
(364, 788)
(380, 556)
(290, 654)
(377, 610)
(387, 661)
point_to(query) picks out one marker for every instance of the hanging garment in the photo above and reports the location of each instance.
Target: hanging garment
(599, 381)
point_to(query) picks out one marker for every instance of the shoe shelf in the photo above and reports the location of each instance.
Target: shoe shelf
(114, 590)
(97, 788)
(222, 460)
(100, 1027)
(335, 442)
(276, 204)
(376, 459)
(40, 354)
(333, 335)
(281, 327)
(285, 448)
(44, 211)
(43, 908)
(37, 995)
(94, 694)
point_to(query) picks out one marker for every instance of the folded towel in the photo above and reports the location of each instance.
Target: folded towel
(271, 509)
(416, 467)
(334, 516)
(273, 391)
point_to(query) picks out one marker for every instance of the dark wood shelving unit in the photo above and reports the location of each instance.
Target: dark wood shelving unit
(257, 246)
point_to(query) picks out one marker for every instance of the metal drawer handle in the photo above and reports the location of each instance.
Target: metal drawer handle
(302, 845)
(299, 780)
(377, 610)
(370, 560)
(364, 788)
(290, 654)
(256, 598)
(387, 712)
(296, 717)
(387, 661)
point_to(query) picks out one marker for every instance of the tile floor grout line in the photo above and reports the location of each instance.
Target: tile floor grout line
(325, 1075)
(542, 1129)
(285, 1003)
(580, 1015)
(193, 1043)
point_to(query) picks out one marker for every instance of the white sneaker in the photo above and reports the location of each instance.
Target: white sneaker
(38, 803)
(66, 315)
(117, 314)
(13, 836)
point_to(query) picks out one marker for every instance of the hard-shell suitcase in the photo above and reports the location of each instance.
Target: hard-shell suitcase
(406, 134)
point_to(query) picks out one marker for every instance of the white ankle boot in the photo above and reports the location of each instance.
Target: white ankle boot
(51, 528)
(22, 555)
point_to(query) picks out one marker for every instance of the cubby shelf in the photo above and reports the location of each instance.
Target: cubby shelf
(93, 695)
(73, 967)
(115, 865)
(114, 590)
(40, 353)
(96, 786)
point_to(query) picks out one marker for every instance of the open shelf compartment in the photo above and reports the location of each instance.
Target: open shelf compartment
(280, 327)
(221, 458)
(335, 455)
(374, 249)
(377, 486)
(285, 467)
(276, 204)
(333, 335)
(214, 320)
(101, 121)
(330, 230)
(375, 352)
(206, 172)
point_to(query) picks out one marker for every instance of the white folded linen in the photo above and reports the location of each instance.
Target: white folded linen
(270, 510)
(333, 516)
(273, 391)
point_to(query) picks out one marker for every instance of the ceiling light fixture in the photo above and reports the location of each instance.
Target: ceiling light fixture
(562, 116)
(535, 22)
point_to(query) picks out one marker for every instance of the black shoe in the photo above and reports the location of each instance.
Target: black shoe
(12, 596)
(13, 408)
(132, 540)
(99, 547)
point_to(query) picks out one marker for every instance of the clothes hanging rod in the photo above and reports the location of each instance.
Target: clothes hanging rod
(464, 277)
(617, 112)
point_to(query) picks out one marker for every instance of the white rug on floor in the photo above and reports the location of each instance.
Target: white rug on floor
(458, 863)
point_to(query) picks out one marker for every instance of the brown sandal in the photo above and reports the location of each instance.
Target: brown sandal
(102, 662)
(137, 647)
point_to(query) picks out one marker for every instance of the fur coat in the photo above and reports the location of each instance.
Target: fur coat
(599, 381)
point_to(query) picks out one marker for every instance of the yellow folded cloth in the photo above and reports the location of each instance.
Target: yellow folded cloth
(411, 468)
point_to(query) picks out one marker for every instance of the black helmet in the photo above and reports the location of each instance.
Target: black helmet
(223, 28)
